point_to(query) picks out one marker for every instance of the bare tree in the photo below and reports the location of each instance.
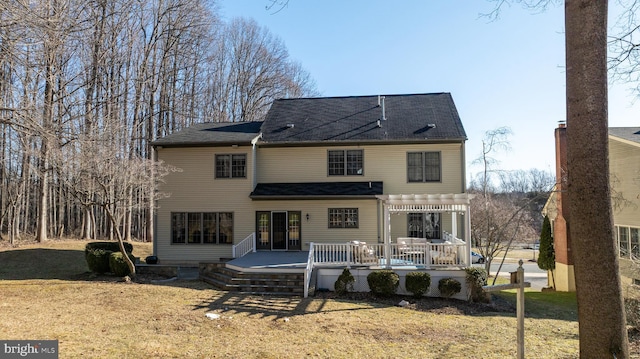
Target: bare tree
(493, 142)
(71, 71)
(624, 50)
(250, 69)
(499, 220)
(501, 215)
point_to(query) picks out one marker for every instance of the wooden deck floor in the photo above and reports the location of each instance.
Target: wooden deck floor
(272, 260)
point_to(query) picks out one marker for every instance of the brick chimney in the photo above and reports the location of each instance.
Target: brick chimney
(564, 275)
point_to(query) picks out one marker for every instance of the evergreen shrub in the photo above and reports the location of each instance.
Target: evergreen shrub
(383, 283)
(476, 278)
(449, 287)
(118, 265)
(344, 283)
(418, 283)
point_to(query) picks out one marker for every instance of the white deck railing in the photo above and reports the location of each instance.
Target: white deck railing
(422, 255)
(245, 246)
(427, 255)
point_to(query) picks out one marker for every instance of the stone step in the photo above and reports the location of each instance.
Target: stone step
(254, 288)
(221, 277)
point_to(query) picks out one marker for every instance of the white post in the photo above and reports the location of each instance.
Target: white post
(253, 241)
(520, 309)
(387, 236)
(454, 224)
(467, 233)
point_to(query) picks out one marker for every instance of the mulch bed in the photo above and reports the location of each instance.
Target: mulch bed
(428, 304)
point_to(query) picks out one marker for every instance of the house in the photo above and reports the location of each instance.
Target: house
(624, 164)
(624, 172)
(363, 170)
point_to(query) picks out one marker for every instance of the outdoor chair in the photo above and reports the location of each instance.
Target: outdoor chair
(363, 254)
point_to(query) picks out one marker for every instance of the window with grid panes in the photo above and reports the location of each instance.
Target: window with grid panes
(201, 227)
(345, 162)
(231, 166)
(343, 218)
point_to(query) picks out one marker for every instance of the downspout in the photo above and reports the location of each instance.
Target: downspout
(154, 156)
(254, 165)
(464, 168)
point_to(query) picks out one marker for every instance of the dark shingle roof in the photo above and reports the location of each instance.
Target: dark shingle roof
(627, 133)
(208, 134)
(318, 190)
(355, 119)
(416, 118)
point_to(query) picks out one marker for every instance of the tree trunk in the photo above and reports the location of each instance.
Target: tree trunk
(600, 306)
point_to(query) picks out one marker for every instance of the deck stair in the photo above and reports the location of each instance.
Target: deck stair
(257, 282)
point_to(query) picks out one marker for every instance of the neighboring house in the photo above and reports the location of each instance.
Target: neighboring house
(321, 170)
(624, 171)
(624, 164)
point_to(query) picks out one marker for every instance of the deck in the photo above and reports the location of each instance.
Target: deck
(267, 260)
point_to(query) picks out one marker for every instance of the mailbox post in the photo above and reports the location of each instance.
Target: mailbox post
(517, 282)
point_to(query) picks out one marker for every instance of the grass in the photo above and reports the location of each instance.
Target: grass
(47, 293)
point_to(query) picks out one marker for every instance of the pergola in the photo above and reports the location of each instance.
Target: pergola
(428, 203)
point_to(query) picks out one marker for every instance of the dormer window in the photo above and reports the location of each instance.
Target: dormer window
(345, 163)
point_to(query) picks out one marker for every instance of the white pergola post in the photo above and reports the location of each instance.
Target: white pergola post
(427, 203)
(387, 237)
(467, 233)
(454, 224)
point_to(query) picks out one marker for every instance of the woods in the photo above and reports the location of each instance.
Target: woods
(85, 87)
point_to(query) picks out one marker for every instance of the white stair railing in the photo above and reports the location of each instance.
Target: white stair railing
(244, 246)
(308, 270)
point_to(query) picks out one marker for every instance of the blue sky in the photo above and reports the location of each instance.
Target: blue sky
(508, 72)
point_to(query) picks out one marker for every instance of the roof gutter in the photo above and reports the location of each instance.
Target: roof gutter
(312, 197)
(361, 142)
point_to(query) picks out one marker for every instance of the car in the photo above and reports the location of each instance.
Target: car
(476, 257)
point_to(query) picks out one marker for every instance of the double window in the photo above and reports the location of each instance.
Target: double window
(345, 163)
(231, 166)
(423, 166)
(202, 227)
(343, 218)
(424, 225)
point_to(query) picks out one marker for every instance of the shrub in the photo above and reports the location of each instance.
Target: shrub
(383, 283)
(476, 278)
(547, 256)
(418, 283)
(108, 246)
(344, 283)
(97, 254)
(98, 260)
(118, 265)
(449, 287)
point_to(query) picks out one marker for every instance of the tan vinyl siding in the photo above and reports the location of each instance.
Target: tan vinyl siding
(195, 189)
(387, 163)
(316, 229)
(624, 164)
